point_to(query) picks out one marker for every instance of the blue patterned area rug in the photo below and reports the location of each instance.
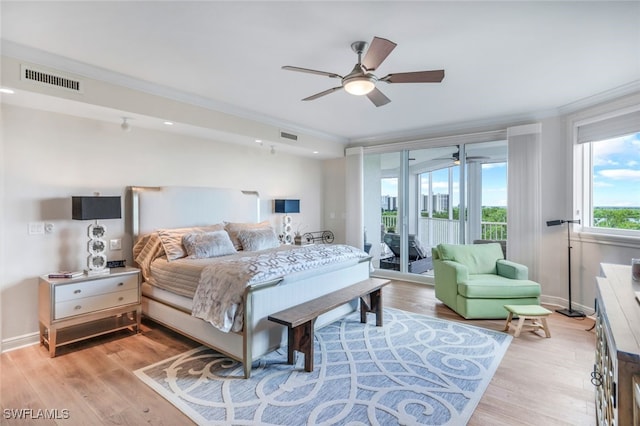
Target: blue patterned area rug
(413, 370)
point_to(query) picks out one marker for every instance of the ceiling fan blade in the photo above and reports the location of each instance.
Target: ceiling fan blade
(434, 76)
(377, 53)
(377, 97)
(326, 92)
(307, 70)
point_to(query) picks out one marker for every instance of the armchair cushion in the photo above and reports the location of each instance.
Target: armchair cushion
(478, 261)
(488, 286)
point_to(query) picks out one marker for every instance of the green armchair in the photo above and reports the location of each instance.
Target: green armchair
(476, 281)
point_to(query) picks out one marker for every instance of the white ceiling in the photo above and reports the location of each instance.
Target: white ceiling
(502, 60)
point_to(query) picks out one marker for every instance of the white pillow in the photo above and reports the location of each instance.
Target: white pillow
(258, 239)
(201, 245)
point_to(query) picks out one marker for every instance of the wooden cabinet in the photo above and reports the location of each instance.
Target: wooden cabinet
(617, 362)
(79, 308)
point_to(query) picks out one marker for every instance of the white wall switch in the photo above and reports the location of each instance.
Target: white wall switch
(36, 228)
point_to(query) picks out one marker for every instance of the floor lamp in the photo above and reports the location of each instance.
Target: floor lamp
(567, 312)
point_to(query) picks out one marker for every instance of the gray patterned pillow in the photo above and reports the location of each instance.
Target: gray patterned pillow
(233, 228)
(201, 245)
(172, 239)
(258, 239)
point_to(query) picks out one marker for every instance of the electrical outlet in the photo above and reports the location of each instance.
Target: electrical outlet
(115, 244)
(36, 228)
(48, 228)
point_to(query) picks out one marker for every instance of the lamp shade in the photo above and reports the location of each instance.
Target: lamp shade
(287, 206)
(88, 208)
(359, 85)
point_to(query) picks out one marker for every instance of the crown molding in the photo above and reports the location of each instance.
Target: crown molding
(599, 98)
(53, 61)
(502, 122)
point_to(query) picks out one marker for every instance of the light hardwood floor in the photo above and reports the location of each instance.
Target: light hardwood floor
(539, 382)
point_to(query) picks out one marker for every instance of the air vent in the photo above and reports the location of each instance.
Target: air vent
(50, 79)
(289, 136)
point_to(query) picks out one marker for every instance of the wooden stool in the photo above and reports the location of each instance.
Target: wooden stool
(531, 312)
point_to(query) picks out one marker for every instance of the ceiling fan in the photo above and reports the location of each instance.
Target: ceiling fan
(455, 157)
(361, 80)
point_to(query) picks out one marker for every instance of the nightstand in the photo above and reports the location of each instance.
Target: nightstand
(79, 308)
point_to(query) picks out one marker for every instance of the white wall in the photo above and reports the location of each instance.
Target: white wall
(49, 157)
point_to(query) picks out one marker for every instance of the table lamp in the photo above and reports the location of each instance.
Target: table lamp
(286, 207)
(95, 208)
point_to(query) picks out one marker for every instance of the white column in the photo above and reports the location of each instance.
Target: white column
(354, 203)
(523, 196)
(474, 201)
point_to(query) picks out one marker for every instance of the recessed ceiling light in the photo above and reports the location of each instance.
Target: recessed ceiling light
(168, 123)
(315, 152)
(7, 91)
(258, 140)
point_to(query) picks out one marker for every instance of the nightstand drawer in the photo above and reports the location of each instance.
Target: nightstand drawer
(86, 305)
(73, 291)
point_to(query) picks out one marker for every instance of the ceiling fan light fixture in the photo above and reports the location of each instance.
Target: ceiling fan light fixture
(360, 85)
(360, 81)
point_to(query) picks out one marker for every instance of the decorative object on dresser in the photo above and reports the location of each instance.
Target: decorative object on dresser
(94, 208)
(570, 312)
(286, 207)
(74, 309)
(325, 237)
(617, 363)
(66, 274)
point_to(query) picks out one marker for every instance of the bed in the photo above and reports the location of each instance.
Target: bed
(241, 330)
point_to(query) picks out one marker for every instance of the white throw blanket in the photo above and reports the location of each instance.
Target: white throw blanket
(219, 295)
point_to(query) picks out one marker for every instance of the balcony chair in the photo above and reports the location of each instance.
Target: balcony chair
(476, 281)
(419, 259)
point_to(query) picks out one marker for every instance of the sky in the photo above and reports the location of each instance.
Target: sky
(616, 172)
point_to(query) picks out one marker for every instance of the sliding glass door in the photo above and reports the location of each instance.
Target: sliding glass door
(416, 199)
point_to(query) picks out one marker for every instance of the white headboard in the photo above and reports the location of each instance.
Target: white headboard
(183, 206)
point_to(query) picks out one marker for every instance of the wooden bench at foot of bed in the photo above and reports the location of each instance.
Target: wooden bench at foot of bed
(300, 319)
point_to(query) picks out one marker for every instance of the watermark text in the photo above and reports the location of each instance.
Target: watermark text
(36, 414)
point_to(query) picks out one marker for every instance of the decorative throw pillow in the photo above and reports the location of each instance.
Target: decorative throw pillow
(234, 228)
(172, 239)
(201, 245)
(258, 239)
(146, 250)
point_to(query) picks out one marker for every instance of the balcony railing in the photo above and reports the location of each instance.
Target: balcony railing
(433, 231)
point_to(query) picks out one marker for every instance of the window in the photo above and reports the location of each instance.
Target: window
(611, 175)
(432, 195)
